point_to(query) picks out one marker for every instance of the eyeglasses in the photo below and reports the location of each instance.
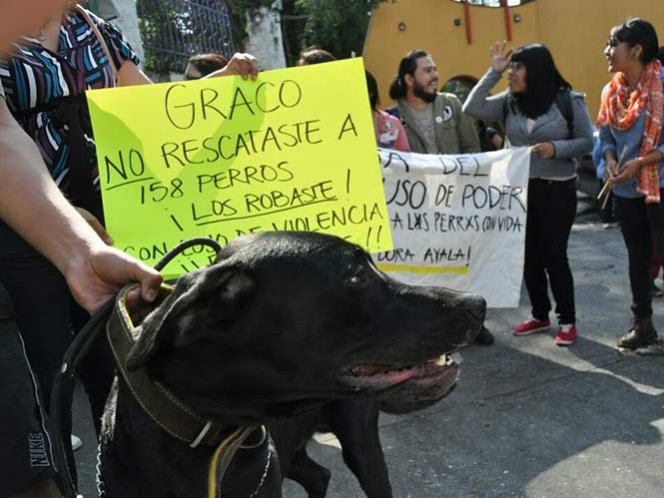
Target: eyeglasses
(516, 66)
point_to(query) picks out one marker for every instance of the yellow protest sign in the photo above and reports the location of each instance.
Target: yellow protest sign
(294, 150)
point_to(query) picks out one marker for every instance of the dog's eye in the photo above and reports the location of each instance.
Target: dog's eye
(358, 279)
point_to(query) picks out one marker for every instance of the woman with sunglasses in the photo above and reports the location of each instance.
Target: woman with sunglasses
(540, 110)
(631, 120)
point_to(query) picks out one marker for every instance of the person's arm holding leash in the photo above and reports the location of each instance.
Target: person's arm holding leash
(34, 207)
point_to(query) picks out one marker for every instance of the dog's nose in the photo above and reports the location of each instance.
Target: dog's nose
(476, 307)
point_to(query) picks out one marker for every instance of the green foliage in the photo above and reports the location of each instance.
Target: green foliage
(171, 29)
(244, 5)
(338, 26)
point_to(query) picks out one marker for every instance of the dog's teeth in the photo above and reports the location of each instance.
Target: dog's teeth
(442, 361)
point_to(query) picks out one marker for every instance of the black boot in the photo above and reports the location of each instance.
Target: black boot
(641, 334)
(484, 338)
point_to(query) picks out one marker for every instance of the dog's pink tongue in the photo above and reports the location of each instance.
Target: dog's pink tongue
(401, 376)
(383, 373)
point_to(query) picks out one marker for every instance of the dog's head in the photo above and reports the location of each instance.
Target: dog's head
(284, 321)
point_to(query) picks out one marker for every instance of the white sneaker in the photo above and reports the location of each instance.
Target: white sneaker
(76, 442)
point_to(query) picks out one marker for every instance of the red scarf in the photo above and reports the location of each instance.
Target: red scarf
(621, 110)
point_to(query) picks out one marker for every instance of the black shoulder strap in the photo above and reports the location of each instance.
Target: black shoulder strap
(564, 103)
(394, 111)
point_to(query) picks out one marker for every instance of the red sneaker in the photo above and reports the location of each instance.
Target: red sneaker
(566, 335)
(527, 328)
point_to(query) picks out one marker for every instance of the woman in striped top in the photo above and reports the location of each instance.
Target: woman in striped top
(44, 82)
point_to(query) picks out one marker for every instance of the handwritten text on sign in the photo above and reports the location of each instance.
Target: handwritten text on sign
(294, 150)
(458, 221)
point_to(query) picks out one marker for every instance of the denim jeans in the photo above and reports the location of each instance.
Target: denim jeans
(551, 212)
(642, 227)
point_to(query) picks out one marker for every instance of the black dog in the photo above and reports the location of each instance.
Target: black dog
(282, 323)
(355, 423)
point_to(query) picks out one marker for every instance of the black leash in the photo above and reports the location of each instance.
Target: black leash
(64, 383)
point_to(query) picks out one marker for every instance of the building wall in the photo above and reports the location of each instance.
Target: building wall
(574, 30)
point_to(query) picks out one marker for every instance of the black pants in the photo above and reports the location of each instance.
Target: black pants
(551, 212)
(25, 445)
(46, 315)
(642, 227)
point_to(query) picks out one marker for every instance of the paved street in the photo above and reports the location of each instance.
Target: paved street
(528, 419)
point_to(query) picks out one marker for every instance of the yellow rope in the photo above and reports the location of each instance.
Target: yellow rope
(212, 477)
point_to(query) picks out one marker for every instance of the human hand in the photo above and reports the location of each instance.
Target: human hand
(497, 141)
(244, 65)
(545, 150)
(92, 220)
(611, 168)
(98, 276)
(629, 170)
(500, 58)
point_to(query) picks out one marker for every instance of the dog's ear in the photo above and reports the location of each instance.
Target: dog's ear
(184, 316)
(218, 300)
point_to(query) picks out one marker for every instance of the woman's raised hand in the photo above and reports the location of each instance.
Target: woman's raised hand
(244, 65)
(500, 57)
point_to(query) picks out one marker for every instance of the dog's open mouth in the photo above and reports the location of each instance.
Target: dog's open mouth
(377, 377)
(404, 389)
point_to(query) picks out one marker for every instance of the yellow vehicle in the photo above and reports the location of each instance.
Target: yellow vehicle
(458, 34)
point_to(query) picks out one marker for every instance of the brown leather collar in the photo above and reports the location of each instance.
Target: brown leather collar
(161, 405)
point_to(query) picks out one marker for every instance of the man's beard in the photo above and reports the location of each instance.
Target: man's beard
(420, 92)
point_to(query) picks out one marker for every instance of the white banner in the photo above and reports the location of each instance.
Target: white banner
(458, 221)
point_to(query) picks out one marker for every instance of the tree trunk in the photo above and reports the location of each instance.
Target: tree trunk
(265, 39)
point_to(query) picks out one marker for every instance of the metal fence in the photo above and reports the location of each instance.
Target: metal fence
(173, 30)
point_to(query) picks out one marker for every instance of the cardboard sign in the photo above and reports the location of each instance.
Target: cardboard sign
(294, 150)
